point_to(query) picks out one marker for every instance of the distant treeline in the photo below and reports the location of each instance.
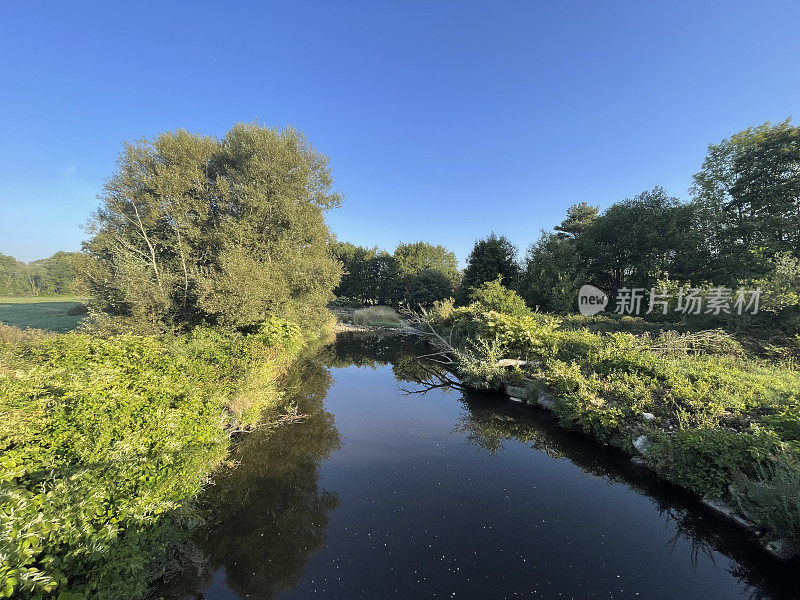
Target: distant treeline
(741, 228)
(54, 276)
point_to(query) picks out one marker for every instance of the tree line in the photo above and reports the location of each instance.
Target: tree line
(52, 276)
(197, 229)
(741, 227)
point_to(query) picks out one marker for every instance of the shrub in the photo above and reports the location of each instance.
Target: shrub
(276, 332)
(477, 365)
(575, 344)
(79, 309)
(105, 443)
(589, 412)
(521, 336)
(706, 460)
(443, 310)
(493, 296)
(773, 496)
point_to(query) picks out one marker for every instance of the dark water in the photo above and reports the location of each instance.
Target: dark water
(381, 494)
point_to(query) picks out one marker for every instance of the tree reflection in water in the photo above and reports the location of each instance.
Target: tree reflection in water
(267, 515)
(490, 424)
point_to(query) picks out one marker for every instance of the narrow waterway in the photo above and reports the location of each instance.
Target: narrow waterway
(384, 493)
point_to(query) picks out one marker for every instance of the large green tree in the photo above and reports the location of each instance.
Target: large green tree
(426, 272)
(369, 275)
(579, 218)
(641, 240)
(13, 277)
(490, 257)
(57, 273)
(194, 229)
(420, 256)
(748, 192)
(554, 271)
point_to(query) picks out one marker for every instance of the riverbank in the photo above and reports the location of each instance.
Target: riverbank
(364, 496)
(695, 408)
(352, 328)
(107, 441)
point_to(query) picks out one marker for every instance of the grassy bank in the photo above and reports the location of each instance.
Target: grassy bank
(705, 413)
(105, 443)
(354, 314)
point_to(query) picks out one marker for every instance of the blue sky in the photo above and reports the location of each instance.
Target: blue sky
(443, 120)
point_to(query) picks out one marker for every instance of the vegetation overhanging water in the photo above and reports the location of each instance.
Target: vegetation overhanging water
(380, 491)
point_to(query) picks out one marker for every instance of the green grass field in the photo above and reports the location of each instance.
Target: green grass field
(51, 314)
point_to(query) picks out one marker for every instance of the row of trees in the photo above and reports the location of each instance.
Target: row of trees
(52, 276)
(196, 229)
(414, 274)
(742, 226)
(421, 273)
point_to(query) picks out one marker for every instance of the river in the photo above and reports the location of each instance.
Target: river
(383, 492)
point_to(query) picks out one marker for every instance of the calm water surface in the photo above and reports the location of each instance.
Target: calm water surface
(383, 494)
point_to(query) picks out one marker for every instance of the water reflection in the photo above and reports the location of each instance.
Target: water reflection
(266, 514)
(415, 478)
(490, 424)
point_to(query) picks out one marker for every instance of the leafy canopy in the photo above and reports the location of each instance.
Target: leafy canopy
(494, 296)
(489, 258)
(197, 229)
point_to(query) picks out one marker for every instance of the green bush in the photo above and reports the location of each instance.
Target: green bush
(706, 460)
(275, 332)
(773, 496)
(493, 296)
(589, 412)
(105, 443)
(528, 336)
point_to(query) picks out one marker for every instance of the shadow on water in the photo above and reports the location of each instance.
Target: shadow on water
(490, 424)
(267, 516)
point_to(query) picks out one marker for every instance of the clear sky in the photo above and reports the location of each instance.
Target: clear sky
(443, 120)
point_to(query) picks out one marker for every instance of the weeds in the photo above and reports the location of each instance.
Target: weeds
(378, 316)
(106, 442)
(717, 411)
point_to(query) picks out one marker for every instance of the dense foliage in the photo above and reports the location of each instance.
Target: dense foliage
(741, 228)
(494, 296)
(712, 413)
(194, 229)
(490, 258)
(105, 442)
(207, 265)
(749, 195)
(52, 276)
(416, 274)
